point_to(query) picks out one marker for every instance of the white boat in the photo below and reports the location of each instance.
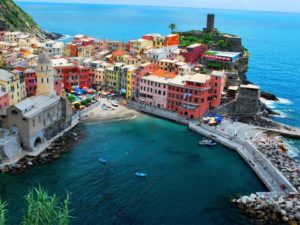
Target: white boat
(103, 161)
(207, 142)
(114, 103)
(140, 174)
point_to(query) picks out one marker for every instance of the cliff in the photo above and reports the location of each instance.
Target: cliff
(13, 18)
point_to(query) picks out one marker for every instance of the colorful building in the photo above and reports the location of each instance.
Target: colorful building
(193, 52)
(143, 70)
(153, 88)
(156, 54)
(158, 39)
(172, 39)
(54, 48)
(72, 74)
(12, 83)
(113, 77)
(4, 100)
(30, 82)
(192, 95)
(129, 72)
(138, 46)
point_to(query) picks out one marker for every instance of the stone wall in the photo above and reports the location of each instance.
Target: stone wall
(247, 101)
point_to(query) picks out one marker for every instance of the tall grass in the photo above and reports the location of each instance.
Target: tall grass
(2, 212)
(44, 209)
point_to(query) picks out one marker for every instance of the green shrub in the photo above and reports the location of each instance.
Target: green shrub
(71, 98)
(88, 100)
(83, 102)
(77, 105)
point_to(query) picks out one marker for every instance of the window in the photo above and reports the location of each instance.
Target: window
(33, 122)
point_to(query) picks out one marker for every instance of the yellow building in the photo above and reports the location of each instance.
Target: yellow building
(99, 75)
(12, 83)
(113, 77)
(130, 80)
(139, 45)
(85, 51)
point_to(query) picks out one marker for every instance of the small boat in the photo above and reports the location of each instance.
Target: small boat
(140, 174)
(103, 161)
(114, 103)
(207, 142)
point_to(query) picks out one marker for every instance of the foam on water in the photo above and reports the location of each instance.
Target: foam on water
(284, 101)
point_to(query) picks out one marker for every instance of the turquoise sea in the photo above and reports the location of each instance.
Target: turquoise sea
(186, 183)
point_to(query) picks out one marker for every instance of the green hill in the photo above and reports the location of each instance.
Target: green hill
(13, 18)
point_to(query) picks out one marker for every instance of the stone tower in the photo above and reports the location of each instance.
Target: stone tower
(45, 76)
(210, 23)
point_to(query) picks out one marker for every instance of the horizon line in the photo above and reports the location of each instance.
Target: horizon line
(128, 4)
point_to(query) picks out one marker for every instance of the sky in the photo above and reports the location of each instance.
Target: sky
(261, 5)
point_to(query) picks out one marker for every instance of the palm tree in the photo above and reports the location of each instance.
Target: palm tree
(172, 26)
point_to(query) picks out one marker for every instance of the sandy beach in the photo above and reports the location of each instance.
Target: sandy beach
(111, 113)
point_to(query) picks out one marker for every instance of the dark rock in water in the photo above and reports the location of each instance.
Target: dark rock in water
(268, 96)
(52, 35)
(269, 111)
(264, 94)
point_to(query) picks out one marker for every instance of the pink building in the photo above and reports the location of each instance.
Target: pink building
(154, 87)
(101, 45)
(193, 52)
(4, 100)
(58, 85)
(144, 69)
(218, 79)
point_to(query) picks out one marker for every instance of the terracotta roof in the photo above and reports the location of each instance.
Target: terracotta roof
(118, 53)
(163, 73)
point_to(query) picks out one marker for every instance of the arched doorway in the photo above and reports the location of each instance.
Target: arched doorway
(37, 142)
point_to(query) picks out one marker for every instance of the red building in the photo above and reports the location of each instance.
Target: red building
(192, 95)
(193, 52)
(72, 74)
(30, 82)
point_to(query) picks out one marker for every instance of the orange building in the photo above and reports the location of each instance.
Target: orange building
(74, 51)
(172, 39)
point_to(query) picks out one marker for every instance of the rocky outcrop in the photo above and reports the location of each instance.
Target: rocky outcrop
(268, 96)
(271, 208)
(266, 207)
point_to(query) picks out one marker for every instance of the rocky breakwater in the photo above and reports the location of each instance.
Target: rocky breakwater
(271, 209)
(277, 154)
(53, 152)
(282, 209)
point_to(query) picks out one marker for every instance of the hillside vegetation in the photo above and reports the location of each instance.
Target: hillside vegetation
(13, 18)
